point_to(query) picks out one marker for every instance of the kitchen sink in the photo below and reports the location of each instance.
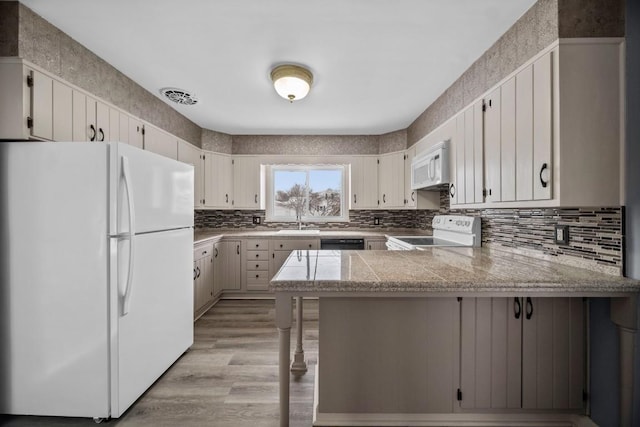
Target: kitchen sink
(299, 232)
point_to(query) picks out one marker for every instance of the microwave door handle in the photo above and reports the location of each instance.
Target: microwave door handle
(126, 174)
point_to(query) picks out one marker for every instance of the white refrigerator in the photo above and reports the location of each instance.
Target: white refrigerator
(96, 293)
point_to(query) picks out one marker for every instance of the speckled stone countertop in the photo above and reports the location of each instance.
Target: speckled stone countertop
(478, 271)
(201, 235)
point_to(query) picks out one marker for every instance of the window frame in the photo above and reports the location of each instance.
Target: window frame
(270, 193)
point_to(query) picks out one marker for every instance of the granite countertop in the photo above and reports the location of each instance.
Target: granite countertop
(440, 270)
(200, 235)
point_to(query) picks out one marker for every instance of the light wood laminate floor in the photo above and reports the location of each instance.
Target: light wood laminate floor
(229, 377)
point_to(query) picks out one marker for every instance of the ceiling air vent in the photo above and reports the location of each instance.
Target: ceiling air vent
(179, 96)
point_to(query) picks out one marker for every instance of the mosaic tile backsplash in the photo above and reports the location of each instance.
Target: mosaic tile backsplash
(596, 236)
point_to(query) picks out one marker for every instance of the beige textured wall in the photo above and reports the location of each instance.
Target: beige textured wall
(393, 141)
(216, 141)
(591, 18)
(9, 29)
(305, 144)
(48, 47)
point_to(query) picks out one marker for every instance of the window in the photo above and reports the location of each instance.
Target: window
(311, 192)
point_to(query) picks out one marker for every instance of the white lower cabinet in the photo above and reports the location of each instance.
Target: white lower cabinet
(256, 264)
(375, 244)
(230, 261)
(203, 278)
(522, 353)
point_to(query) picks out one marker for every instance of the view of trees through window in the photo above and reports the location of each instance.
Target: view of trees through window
(308, 193)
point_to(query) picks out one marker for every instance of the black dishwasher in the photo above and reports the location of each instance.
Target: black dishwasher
(347, 244)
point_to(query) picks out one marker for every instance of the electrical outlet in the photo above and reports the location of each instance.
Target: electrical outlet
(562, 234)
(376, 220)
(256, 220)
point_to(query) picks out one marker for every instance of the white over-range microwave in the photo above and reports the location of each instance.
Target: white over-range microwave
(431, 169)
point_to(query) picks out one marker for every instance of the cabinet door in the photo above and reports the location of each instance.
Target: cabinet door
(391, 180)
(364, 182)
(231, 265)
(123, 130)
(508, 141)
(524, 134)
(246, 183)
(218, 268)
(376, 245)
(208, 276)
(189, 154)
(80, 126)
(277, 259)
(102, 121)
(553, 353)
(410, 196)
(218, 180)
(114, 125)
(478, 152)
(160, 142)
(62, 112)
(135, 133)
(490, 353)
(92, 130)
(492, 146)
(542, 127)
(459, 146)
(200, 294)
(42, 106)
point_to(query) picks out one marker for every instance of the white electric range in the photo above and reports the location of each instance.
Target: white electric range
(448, 230)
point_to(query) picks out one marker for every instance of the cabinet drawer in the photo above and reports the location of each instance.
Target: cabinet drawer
(257, 265)
(257, 277)
(202, 251)
(258, 245)
(257, 256)
(293, 244)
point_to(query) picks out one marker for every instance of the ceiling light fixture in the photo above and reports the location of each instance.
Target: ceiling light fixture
(292, 82)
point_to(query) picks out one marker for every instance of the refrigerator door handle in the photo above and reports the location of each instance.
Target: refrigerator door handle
(132, 223)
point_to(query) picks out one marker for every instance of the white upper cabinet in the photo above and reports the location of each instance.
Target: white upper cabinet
(410, 195)
(391, 180)
(42, 105)
(492, 146)
(218, 180)
(508, 141)
(524, 134)
(542, 126)
(189, 154)
(364, 182)
(159, 142)
(467, 152)
(247, 183)
(136, 137)
(62, 112)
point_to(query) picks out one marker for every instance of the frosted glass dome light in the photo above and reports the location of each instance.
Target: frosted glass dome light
(292, 82)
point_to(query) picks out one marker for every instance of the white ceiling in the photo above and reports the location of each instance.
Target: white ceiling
(377, 64)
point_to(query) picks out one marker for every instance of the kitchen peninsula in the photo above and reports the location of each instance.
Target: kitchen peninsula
(449, 335)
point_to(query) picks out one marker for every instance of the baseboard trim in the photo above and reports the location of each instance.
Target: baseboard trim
(458, 420)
